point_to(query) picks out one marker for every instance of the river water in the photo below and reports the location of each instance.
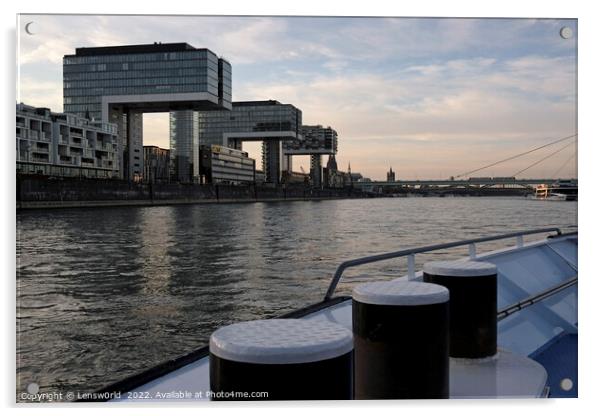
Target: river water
(105, 293)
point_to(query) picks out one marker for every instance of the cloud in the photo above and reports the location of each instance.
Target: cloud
(394, 88)
(258, 39)
(455, 105)
(56, 36)
(466, 95)
(41, 93)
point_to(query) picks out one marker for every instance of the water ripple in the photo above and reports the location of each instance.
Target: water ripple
(105, 293)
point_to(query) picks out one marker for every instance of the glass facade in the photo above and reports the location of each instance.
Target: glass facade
(248, 117)
(93, 73)
(247, 121)
(184, 146)
(225, 82)
(142, 78)
(316, 140)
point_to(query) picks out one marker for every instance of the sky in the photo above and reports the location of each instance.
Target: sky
(431, 98)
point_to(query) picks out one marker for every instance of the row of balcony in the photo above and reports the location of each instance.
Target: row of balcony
(34, 135)
(108, 147)
(25, 156)
(28, 155)
(38, 148)
(64, 140)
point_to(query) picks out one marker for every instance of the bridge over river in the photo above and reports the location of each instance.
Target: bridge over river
(472, 186)
(465, 183)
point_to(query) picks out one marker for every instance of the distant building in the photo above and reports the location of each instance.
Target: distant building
(64, 145)
(250, 120)
(221, 164)
(184, 145)
(268, 121)
(295, 177)
(390, 175)
(314, 141)
(332, 163)
(357, 177)
(259, 176)
(333, 178)
(156, 164)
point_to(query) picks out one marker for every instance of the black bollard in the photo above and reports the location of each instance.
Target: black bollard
(281, 359)
(472, 305)
(401, 340)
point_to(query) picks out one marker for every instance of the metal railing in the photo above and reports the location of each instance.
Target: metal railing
(411, 252)
(532, 300)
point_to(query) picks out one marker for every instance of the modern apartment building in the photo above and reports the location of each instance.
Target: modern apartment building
(120, 83)
(58, 144)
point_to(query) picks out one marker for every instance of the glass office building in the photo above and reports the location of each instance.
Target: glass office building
(270, 122)
(314, 140)
(262, 118)
(120, 83)
(171, 68)
(184, 146)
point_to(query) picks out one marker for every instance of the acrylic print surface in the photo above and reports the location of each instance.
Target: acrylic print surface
(295, 208)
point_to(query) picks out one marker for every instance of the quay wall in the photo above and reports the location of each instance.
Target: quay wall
(43, 192)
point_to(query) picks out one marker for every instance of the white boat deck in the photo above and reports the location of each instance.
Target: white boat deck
(522, 272)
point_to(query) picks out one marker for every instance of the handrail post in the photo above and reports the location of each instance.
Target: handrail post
(335, 281)
(472, 251)
(411, 267)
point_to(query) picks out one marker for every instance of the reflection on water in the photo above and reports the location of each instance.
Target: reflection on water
(105, 293)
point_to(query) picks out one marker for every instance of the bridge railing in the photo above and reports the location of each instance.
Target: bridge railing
(460, 182)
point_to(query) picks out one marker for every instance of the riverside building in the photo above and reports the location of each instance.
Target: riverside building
(184, 145)
(221, 164)
(64, 145)
(314, 141)
(119, 83)
(270, 122)
(156, 164)
(390, 175)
